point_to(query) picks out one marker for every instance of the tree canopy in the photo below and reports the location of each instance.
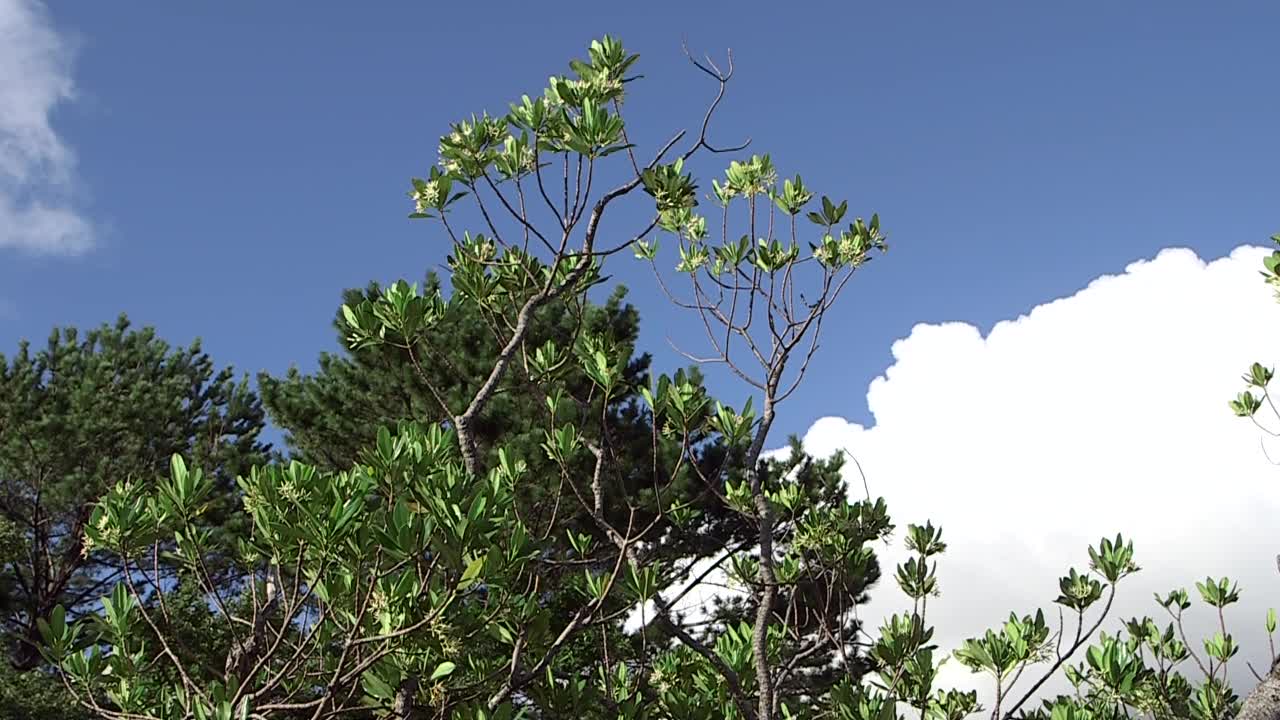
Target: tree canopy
(333, 415)
(487, 557)
(84, 414)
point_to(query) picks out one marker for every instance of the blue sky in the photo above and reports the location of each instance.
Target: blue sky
(226, 172)
(242, 163)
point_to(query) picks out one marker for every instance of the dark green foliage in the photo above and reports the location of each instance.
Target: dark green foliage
(31, 694)
(82, 414)
(330, 417)
(36, 695)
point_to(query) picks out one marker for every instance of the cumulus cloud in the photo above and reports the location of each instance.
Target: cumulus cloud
(1099, 413)
(37, 169)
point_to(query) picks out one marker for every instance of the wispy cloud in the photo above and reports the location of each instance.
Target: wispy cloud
(38, 185)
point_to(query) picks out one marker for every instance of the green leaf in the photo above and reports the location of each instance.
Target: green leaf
(374, 686)
(58, 621)
(472, 571)
(177, 468)
(443, 669)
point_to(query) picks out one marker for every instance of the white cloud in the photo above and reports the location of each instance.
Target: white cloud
(1102, 412)
(37, 169)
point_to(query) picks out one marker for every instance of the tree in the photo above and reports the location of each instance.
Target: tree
(82, 415)
(30, 695)
(331, 416)
(377, 587)
(809, 602)
(1264, 704)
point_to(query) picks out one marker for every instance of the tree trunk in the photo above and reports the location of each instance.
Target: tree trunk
(404, 707)
(1264, 702)
(24, 653)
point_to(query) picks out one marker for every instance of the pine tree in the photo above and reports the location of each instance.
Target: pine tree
(84, 414)
(332, 416)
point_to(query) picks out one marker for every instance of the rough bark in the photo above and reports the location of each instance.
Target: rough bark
(1264, 702)
(404, 707)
